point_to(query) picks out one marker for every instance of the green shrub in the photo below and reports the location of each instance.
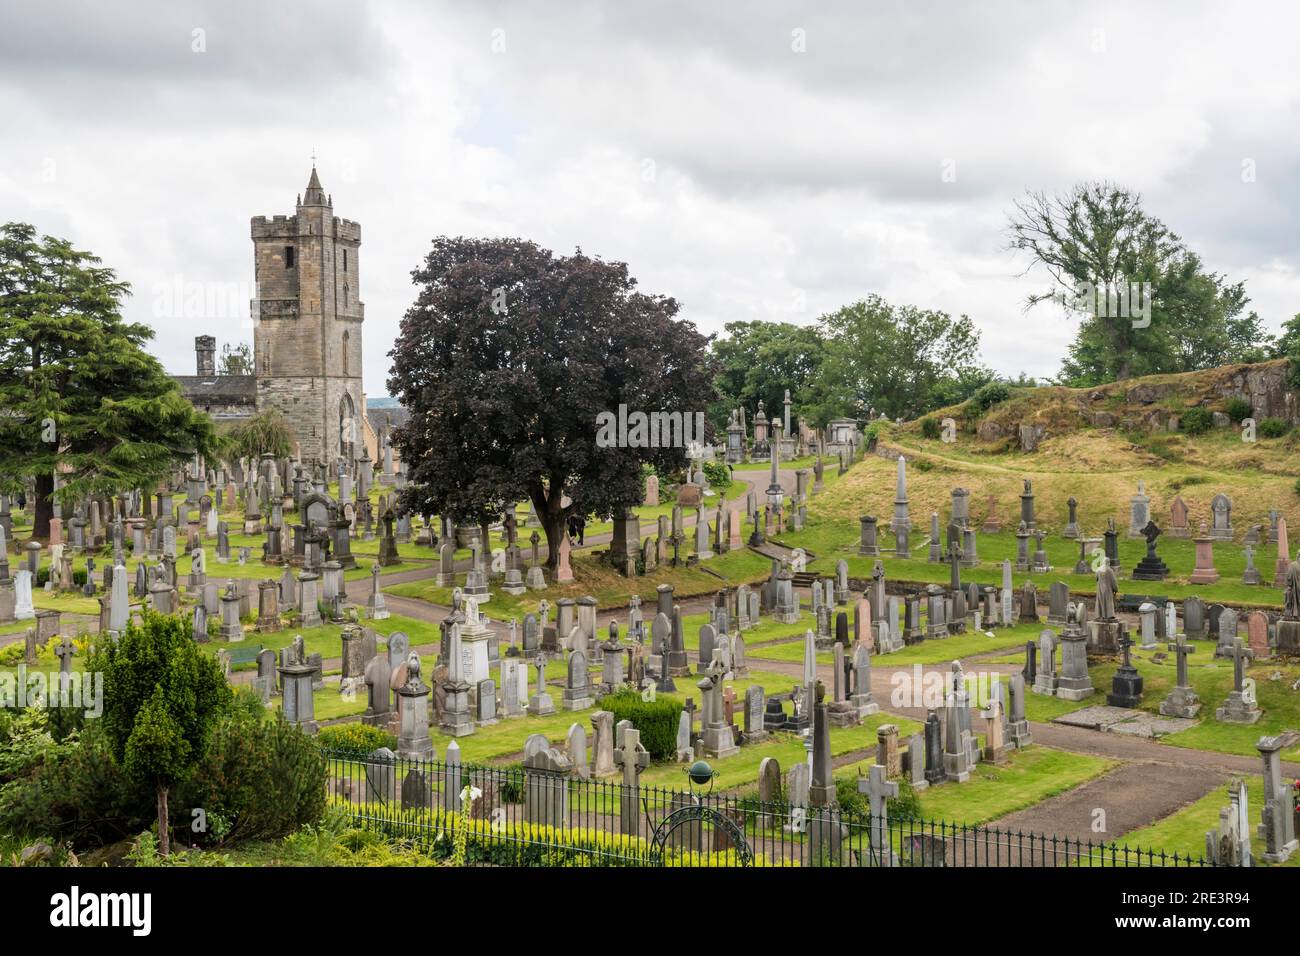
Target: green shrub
(510, 783)
(1238, 408)
(850, 800)
(259, 779)
(43, 575)
(1273, 428)
(12, 654)
(930, 428)
(656, 719)
(1178, 484)
(717, 474)
(986, 397)
(70, 791)
(450, 836)
(355, 738)
(906, 806)
(1196, 421)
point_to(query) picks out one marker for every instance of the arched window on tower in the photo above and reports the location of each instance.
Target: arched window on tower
(345, 295)
(347, 338)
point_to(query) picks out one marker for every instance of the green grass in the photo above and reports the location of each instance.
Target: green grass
(327, 640)
(941, 651)
(1211, 678)
(1183, 831)
(1029, 777)
(607, 586)
(831, 539)
(766, 631)
(788, 749)
(830, 462)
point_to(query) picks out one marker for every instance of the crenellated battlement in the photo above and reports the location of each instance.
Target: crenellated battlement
(307, 339)
(274, 227)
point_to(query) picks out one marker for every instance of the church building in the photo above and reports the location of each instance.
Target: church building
(307, 319)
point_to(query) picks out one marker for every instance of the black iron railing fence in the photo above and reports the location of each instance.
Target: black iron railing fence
(512, 816)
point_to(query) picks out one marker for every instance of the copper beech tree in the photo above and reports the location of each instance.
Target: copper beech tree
(505, 361)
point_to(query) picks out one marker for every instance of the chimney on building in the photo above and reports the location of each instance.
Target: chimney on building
(205, 350)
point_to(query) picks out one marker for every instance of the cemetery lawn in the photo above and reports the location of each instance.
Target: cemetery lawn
(941, 651)
(504, 740)
(1212, 680)
(831, 539)
(607, 586)
(327, 640)
(66, 602)
(73, 602)
(1280, 704)
(766, 632)
(742, 769)
(1029, 777)
(830, 462)
(1184, 830)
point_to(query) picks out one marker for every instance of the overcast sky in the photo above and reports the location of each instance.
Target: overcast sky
(755, 160)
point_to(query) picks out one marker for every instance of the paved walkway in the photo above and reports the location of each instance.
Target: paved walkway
(1123, 800)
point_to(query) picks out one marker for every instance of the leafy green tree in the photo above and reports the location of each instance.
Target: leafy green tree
(264, 433)
(1288, 346)
(162, 697)
(1097, 243)
(758, 361)
(900, 360)
(236, 359)
(80, 391)
(505, 361)
(1288, 343)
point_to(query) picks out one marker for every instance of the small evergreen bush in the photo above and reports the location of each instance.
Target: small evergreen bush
(1238, 409)
(656, 720)
(717, 474)
(1196, 421)
(1273, 428)
(355, 738)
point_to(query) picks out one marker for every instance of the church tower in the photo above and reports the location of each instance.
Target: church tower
(307, 324)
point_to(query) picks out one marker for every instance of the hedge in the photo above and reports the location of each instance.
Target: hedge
(355, 738)
(451, 836)
(656, 720)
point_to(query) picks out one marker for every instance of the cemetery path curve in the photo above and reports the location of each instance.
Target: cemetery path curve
(1125, 799)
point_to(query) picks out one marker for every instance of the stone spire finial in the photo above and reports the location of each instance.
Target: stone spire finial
(315, 194)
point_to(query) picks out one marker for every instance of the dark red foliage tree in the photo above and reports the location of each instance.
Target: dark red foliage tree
(505, 361)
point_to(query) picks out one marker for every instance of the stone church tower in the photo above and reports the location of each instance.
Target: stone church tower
(307, 331)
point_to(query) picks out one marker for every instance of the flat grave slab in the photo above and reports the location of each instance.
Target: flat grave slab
(1123, 720)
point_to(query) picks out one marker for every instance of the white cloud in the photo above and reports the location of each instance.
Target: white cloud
(780, 180)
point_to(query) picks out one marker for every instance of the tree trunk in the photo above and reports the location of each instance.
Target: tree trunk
(164, 836)
(43, 507)
(552, 517)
